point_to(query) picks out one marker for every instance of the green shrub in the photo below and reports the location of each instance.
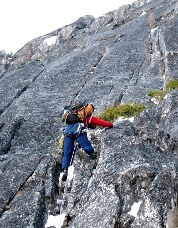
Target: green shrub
(173, 84)
(157, 94)
(126, 110)
(160, 94)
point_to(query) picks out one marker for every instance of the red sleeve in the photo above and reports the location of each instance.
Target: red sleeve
(97, 121)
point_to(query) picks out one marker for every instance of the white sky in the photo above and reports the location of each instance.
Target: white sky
(24, 20)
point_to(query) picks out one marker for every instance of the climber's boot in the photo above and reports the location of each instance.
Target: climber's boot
(65, 173)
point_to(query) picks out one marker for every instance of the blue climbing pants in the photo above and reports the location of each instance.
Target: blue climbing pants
(69, 147)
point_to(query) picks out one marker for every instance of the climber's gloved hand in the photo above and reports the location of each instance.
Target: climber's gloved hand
(91, 126)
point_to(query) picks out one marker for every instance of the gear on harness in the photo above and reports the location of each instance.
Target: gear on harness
(61, 142)
(73, 130)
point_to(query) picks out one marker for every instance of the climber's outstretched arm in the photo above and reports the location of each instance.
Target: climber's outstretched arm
(97, 121)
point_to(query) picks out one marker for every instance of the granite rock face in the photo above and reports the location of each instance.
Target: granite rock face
(116, 58)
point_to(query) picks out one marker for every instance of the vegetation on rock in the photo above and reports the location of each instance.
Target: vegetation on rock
(160, 94)
(125, 110)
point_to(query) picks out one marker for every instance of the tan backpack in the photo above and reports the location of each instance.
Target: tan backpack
(85, 111)
(80, 110)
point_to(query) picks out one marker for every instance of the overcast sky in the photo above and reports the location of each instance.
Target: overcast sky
(24, 20)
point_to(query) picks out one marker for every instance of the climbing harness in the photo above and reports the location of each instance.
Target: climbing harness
(66, 183)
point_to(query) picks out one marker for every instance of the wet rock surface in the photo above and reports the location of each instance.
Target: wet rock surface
(116, 58)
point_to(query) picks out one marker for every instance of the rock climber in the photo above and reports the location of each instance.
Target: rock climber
(78, 119)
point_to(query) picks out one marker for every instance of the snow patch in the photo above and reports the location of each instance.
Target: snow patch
(58, 220)
(50, 41)
(70, 174)
(131, 119)
(122, 118)
(135, 208)
(55, 221)
(91, 179)
(155, 101)
(144, 13)
(152, 30)
(165, 97)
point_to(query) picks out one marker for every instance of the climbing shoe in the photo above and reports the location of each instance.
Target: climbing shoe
(83, 154)
(65, 173)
